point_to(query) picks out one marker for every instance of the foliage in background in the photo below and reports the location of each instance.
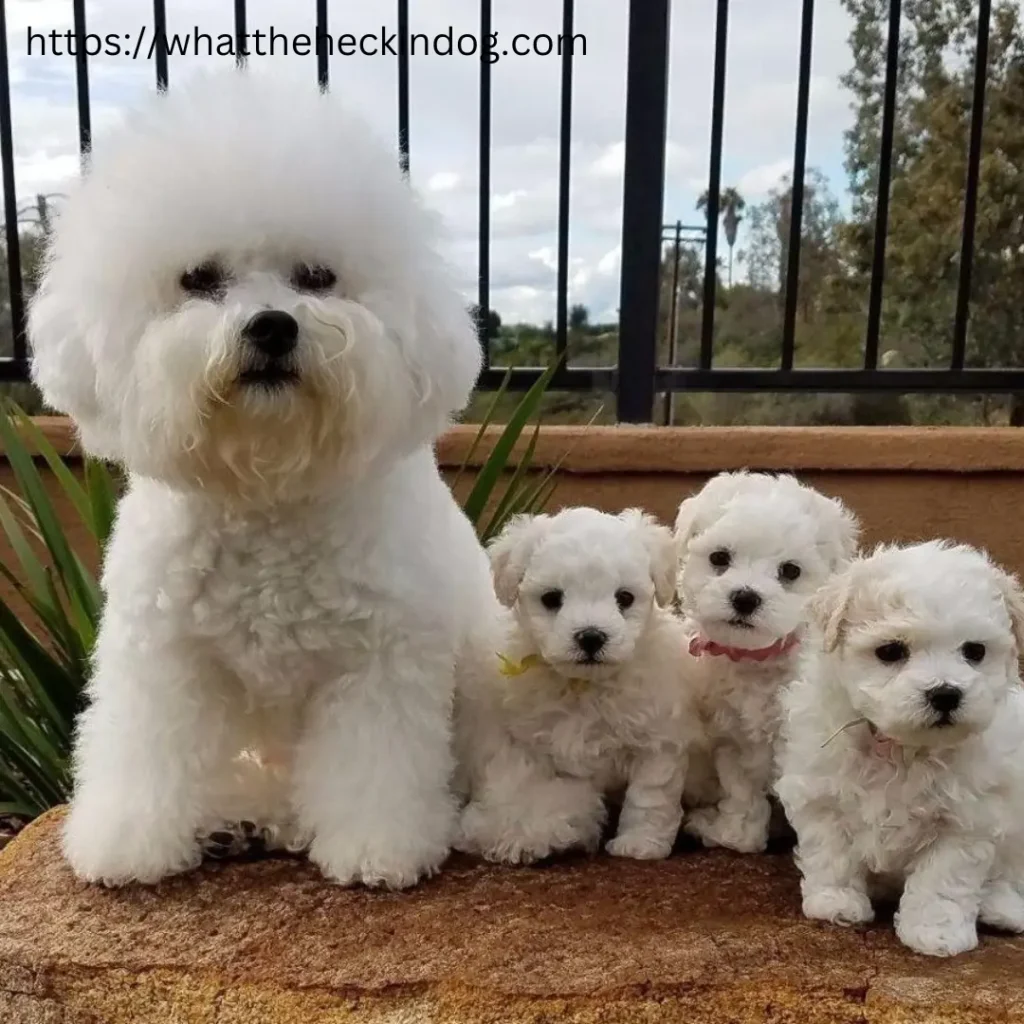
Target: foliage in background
(47, 633)
(46, 642)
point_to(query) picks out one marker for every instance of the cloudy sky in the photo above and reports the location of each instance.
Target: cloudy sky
(760, 115)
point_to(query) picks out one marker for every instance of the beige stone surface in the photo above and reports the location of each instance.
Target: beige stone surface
(703, 937)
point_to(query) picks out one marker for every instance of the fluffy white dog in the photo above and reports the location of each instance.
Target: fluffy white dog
(243, 303)
(901, 758)
(582, 694)
(752, 549)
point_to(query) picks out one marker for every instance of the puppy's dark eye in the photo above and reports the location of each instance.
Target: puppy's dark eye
(789, 571)
(624, 599)
(893, 652)
(720, 559)
(205, 279)
(973, 652)
(313, 278)
(551, 599)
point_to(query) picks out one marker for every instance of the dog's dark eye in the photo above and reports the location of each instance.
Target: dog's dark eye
(204, 279)
(720, 559)
(309, 278)
(973, 652)
(892, 652)
(624, 599)
(551, 599)
(789, 571)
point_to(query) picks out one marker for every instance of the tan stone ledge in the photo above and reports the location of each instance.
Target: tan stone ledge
(700, 938)
(647, 449)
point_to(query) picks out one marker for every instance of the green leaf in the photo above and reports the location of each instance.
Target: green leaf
(497, 461)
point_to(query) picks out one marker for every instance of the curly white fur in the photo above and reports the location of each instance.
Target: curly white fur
(542, 748)
(911, 800)
(288, 575)
(758, 528)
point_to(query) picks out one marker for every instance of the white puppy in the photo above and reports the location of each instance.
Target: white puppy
(753, 548)
(591, 698)
(901, 757)
(243, 303)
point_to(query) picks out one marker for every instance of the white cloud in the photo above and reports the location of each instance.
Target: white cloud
(758, 181)
(444, 113)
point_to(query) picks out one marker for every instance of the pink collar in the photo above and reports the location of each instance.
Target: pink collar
(881, 745)
(700, 645)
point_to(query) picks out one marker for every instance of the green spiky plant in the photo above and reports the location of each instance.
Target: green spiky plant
(47, 633)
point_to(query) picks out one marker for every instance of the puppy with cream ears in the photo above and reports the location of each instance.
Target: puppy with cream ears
(752, 550)
(581, 694)
(900, 766)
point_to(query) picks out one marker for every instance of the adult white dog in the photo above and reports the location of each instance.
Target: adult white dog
(901, 759)
(592, 699)
(243, 303)
(753, 548)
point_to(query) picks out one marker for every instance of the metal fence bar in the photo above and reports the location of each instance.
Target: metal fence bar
(323, 49)
(403, 84)
(82, 81)
(707, 330)
(963, 298)
(642, 198)
(484, 256)
(240, 33)
(564, 161)
(160, 54)
(796, 210)
(14, 282)
(892, 61)
(673, 327)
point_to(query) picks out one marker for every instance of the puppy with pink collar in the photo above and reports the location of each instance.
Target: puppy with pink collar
(752, 549)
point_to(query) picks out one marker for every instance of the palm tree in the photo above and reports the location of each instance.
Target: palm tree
(730, 206)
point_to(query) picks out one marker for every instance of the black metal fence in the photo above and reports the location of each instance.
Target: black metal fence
(637, 378)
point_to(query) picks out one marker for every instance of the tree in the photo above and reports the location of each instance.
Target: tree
(730, 206)
(767, 255)
(493, 320)
(579, 318)
(929, 168)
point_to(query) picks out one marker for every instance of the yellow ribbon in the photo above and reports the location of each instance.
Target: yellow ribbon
(518, 668)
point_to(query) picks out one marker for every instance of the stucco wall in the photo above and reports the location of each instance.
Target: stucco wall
(905, 483)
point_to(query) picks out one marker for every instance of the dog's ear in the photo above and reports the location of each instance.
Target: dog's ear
(510, 553)
(1013, 598)
(661, 547)
(697, 512)
(828, 610)
(840, 529)
(63, 367)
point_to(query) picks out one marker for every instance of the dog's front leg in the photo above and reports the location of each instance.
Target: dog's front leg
(155, 734)
(652, 808)
(740, 821)
(834, 881)
(938, 912)
(374, 766)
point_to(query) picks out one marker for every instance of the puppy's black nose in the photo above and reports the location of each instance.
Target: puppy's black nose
(745, 601)
(945, 698)
(590, 640)
(272, 332)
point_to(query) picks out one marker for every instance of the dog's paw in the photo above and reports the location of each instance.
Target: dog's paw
(116, 850)
(347, 861)
(733, 831)
(940, 928)
(1002, 907)
(639, 846)
(844, 907)
(503, 836)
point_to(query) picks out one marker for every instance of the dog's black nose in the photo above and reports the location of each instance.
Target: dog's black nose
(590, 640)
(273, 332)
(745, 601)
(945, 698)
